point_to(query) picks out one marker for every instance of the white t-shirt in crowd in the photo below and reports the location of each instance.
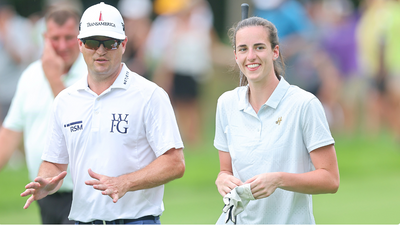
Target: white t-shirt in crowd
(31, 109)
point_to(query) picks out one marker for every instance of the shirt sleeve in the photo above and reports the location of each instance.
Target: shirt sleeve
(220, 139)
(15, 116)
(161, 127)
(315, 126)
(55, 150)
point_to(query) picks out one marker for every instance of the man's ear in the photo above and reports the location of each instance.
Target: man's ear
(80, 44)
(123, 44)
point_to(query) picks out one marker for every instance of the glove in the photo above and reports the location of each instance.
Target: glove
(235, 201)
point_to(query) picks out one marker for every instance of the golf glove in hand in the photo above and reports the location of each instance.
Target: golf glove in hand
(235, 201)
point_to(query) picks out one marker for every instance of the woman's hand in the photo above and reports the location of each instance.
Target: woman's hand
(226, 182)
(263, 185)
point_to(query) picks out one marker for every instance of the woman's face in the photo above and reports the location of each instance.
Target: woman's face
(254, 55)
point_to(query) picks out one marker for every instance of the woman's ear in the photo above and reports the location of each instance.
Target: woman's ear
(276, 52)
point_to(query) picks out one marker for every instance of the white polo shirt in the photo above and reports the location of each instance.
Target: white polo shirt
(279, 138)
(118, 132)
(31, 108)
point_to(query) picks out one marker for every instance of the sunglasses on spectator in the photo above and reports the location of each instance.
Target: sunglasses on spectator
(93, 44)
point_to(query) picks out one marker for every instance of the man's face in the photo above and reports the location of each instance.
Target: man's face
(64, 40)
(102, 62)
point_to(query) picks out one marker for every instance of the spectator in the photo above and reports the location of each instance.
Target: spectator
(61, 65)
(136, 14)
(179, 47)
(377, 39)
(15, 53)
(338, 22)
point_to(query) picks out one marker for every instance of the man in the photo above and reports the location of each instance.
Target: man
(61, 65)
(115, 129)
(15, 52)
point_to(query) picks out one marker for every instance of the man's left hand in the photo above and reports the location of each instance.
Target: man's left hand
(110, 186)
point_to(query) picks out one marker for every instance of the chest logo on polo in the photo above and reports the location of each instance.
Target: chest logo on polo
(119, 123)
(74, 126)
(279, 121)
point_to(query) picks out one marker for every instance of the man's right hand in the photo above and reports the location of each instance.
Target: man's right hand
(53, 67)
(53, 64)
(41, 187)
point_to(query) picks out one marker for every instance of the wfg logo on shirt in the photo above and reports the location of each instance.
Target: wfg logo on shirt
(121, 124)
(74, 126)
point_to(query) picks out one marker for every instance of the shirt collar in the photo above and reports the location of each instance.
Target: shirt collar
(82, 84)
(278, 93)
(123, 80)
(273, 100)
(243, 93)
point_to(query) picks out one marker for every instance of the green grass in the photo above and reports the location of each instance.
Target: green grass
(12, 183)
(370, 181)
(368, 194)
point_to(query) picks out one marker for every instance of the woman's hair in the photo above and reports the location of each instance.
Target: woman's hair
(279, 65)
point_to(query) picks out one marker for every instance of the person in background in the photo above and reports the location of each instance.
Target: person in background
(179, 48)
(116, 130)
(60, 66)
(377, 44)
(309, 66)
(136, 14)
(16, 52)
(337, 21)
(273, 138)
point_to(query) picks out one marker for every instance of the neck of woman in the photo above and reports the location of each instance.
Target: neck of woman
(259, 93)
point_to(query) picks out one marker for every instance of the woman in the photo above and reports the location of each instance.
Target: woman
(272, 135)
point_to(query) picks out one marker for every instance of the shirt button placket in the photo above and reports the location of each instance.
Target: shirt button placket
(258, 129)
(96, 115)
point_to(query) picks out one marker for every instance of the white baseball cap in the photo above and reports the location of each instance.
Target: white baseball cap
(102, 20)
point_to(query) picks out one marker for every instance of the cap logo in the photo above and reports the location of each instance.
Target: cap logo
(101, 17)
(101, 20)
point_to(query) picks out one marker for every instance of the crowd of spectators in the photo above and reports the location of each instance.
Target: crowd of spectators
(346, 54)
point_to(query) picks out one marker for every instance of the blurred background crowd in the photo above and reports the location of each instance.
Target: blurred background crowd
(346, 52)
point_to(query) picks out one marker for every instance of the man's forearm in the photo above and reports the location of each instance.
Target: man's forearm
(50, 170)
(165, 168)
(9, 142)
(56, 85)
